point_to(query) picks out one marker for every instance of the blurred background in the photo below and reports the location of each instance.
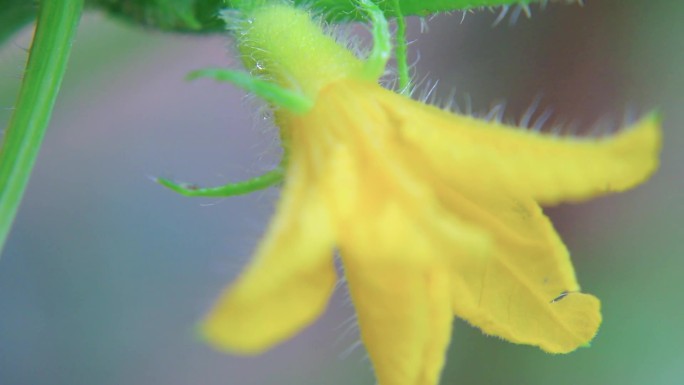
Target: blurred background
(106, 273)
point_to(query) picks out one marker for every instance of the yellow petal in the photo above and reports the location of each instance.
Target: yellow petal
(405, 319)
(545, 167)
(519, 292)
(289, 282)
(383, 207)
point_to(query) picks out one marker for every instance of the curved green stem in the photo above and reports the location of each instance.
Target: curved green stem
(382, 41)
(55, 29)
(401, 51)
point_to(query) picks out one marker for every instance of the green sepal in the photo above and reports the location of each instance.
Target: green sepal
(293, 101)
(260, 182)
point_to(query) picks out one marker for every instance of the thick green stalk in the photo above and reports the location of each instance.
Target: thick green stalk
(55, 29)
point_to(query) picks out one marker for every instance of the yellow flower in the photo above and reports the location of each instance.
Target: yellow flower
(434, 214)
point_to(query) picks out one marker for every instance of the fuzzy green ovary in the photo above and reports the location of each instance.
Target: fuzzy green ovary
(273, 40)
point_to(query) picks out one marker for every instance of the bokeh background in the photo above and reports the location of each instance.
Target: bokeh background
(106, 273)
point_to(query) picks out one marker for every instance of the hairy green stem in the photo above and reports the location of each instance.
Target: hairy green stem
(55, 28)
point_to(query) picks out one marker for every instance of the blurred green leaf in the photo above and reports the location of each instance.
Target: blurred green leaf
(15, 14)
(167, 15)
(202, 15)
